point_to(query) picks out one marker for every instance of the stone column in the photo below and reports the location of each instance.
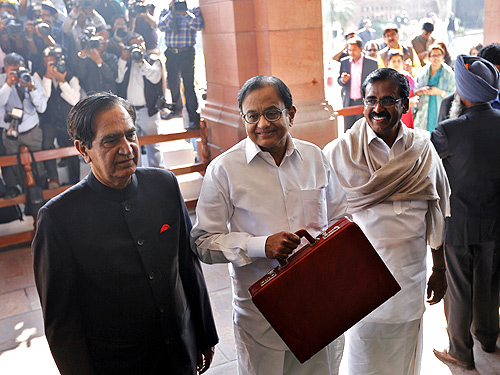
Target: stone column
(244, 38)
(491, 25)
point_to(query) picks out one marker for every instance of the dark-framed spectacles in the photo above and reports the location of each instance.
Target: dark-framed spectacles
(270, 115)
(384, 102)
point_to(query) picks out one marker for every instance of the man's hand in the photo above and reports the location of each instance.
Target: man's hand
(437, 284)
(94, 55)
(29, 28)
(345, 77)
(280, 245)
(12, 79)
(205, 357)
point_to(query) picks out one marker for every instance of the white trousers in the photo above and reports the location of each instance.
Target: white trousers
(385, 349)
(149, 126)
(256, 359)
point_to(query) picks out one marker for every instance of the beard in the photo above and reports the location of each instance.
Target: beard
(457, 107)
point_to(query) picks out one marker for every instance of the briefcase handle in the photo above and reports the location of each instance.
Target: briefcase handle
(300, 233)
(305, 233)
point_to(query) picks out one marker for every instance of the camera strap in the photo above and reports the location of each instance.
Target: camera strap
(21, 94)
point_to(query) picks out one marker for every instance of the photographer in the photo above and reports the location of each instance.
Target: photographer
(41, 33)
(62, 88)
(95, 68)
(139, 81)
(82, 16)
(11, 30)
(180, 27)
(143, 23)
(21, 96)
(119, 31)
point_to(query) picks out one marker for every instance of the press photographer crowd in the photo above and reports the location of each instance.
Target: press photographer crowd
(55, 52)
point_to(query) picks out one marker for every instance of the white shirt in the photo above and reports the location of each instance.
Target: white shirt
(34, 102)
(135, 89)
(70, 91)
(245, 198)
(397, 230)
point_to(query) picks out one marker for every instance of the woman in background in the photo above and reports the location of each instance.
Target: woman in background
(435, 81)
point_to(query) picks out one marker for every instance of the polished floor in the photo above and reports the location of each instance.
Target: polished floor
(24, 350)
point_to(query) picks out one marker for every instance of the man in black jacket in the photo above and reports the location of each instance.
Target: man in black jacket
(353, 71)
(122, 292)
(469, 148)
(139, 81)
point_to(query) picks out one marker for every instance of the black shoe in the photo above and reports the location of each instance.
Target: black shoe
(11, 192)
(171, 115)
(193, 126)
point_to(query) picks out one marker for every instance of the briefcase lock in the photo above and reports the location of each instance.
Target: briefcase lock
(271, 275)
(326, 234)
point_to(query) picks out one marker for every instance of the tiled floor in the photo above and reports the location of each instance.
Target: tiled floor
(24, 350)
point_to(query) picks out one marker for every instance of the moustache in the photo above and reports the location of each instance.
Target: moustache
(381, 114)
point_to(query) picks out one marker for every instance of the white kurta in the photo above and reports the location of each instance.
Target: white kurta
(245, 198)
(397, 230)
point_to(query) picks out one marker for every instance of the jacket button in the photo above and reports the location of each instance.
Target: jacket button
(128, 207)
(151, 276)
(140, 241)
(162, 309)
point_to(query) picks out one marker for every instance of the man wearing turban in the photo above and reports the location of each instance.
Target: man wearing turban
(468, 146)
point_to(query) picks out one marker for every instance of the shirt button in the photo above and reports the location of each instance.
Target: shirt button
(140, 241)
(151, 276)
(128, 207)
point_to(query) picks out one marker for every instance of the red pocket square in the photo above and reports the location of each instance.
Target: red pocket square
(164, 228)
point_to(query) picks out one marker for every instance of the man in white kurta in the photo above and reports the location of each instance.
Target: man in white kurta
(397, 192)
(252, 194)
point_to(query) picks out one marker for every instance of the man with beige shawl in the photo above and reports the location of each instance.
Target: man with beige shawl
(398, 193)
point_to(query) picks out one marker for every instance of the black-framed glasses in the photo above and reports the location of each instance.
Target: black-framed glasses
(270, 115)
(384, 102)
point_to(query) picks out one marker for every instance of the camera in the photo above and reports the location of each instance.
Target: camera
(43, 27)
(89, 40)
(136, 7)
(23, 74)
(12, 27)
(161, 103)
(180, 6)
(135, 52)
(14, 117)
(57, 53)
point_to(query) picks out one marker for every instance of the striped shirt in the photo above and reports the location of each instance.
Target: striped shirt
(188, 24)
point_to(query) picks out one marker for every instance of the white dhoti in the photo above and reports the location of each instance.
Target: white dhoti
(256, 359)
(385, 349)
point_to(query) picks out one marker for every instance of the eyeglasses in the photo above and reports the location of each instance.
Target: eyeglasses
(373, 50)
(435, 56)
(384, 102)
(270, 115)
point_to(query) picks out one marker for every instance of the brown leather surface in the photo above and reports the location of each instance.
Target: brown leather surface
(324, 290)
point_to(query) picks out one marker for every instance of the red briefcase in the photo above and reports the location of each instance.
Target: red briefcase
(325, 288)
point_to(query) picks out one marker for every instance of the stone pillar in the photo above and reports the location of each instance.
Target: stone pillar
(244, 38)
(491, 24)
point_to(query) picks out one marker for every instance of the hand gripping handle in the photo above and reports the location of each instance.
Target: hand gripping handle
(300, 233)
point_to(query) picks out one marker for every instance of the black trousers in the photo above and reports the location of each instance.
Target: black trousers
(50, 133)
(181, 65)
(471, 302)
(350, 120)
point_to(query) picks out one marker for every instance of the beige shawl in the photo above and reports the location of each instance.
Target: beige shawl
(416, 174)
